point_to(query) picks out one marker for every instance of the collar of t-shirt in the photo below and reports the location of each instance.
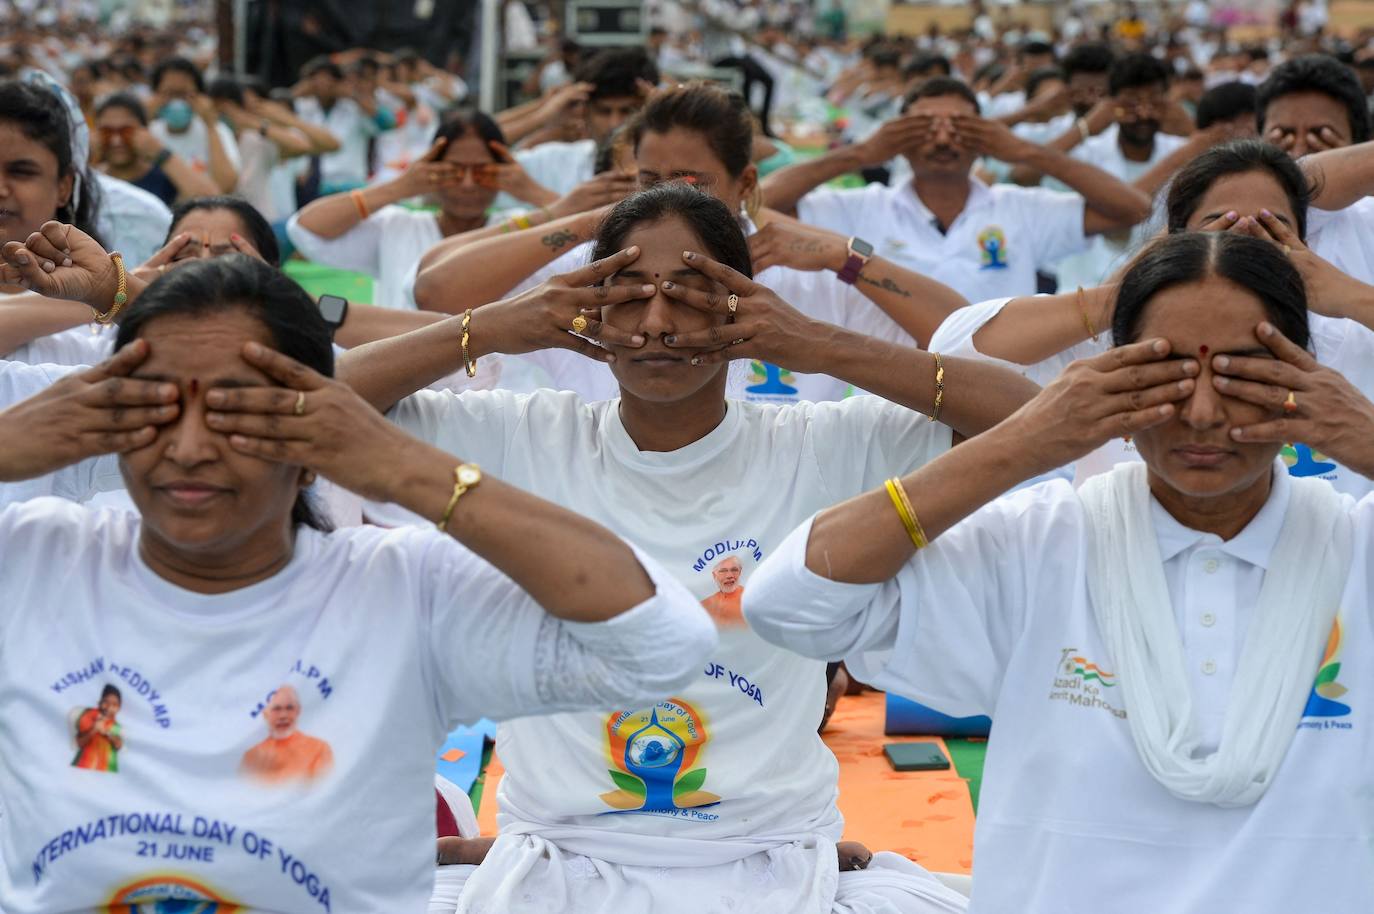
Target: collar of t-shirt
(699, 452)
(1252, 545)
(905, 196)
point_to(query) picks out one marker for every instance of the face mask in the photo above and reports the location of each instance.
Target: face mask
(177, 114)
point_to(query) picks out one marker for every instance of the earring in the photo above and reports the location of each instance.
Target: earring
(308, 478)
(754, 203)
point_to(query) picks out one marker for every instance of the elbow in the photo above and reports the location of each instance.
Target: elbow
(1135, 208)
(427, 291)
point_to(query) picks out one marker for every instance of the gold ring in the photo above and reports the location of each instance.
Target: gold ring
(1291, 404)
(300, 403)
(732, 302)
(579, 324)
(1287, 250)
(736, 342)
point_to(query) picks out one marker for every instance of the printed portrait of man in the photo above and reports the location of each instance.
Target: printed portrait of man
(287, 754)
(724, 605)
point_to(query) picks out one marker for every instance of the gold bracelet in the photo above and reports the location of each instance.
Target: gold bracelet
(1083, 312)
(905, 512)
(468, 362)
(465, 476)
(121, 296)
(522, 222)
(939, 386)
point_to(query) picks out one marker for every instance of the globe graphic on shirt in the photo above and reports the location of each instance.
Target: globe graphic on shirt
(650, 749)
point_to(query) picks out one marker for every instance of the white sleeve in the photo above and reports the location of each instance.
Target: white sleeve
(829, 208)
(943, 630)
(860, 441)
(955, 337)
(498, 654)
(566, 262)
(1054, 220)
(359, 248)
(475, 425)
(231, 146)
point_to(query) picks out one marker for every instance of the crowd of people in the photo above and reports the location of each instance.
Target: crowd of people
(1022, 374)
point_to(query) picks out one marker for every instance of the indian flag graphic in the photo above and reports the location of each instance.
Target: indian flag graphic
(1081, 666)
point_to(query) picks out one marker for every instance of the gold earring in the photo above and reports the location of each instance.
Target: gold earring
(754, 203)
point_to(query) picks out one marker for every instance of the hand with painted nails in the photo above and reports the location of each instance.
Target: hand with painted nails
(753, 322)
(563, 312)
(1311, 404)
(61, 261)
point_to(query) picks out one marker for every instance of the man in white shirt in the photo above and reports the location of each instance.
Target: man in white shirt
(945, 223)
(326, 99)
(188, 124)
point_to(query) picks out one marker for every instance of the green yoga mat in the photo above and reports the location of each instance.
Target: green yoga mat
(321, 280)
(968, 756)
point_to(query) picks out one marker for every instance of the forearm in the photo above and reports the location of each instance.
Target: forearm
(537, 219)
(917, 303)
(472, 273)
(225, 176)
(1028, 175)
(1162, 171)
(976, 395)
(366, 324)
(332, 216)
(786, 186)
(1029, 330)
(289, 141)
(1341, 177)
(1115, 200)
(27, 317)
(545, 549)
(189, 182)
(863, 540)
(388, 370)
(321, 139)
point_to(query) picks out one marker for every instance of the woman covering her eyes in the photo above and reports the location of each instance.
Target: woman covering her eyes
(1175, 655)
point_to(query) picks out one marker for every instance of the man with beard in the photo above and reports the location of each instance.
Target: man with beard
(984, 242)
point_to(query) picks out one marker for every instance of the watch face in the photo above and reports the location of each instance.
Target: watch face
(861, 247)
(469, 475)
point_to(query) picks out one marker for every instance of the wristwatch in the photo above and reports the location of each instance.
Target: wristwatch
(860, 253)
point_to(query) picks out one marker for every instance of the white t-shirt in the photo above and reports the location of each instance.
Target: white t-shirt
(260, 160)
(386, 246)
(193, 143)
(1344, 345)
(132, 221)
(559, 166)
(353, 128)
(389, 640)
(992, 249)
(1345, 238)
(88, 344)
(1107, 253)
(994, 618)
(817, 294)
(732, 764)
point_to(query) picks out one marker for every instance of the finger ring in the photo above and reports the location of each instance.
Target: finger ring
(579, 324)
(732, 302)
(1291, 404)
(161, 268)
(1287, 250)
(736, 342)
(299, 408)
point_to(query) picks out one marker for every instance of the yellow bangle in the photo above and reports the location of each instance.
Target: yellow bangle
(1083, 312)
(469, 363)
(360, 204)
(906, 513)
(523, 222)
(939, 386)
(465, 476)
(121, 296)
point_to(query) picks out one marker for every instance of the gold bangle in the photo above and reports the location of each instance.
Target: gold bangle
(905, 512)
(939, 387)
(522, 222)
(1083, 312)
(469, 363)
(361, 203)
(121, 296)
(465, 476)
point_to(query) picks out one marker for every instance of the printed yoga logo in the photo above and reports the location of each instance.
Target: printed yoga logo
(1301, 460)
(653, 751)
(1081, 682)
(169, 895)
(771, 381)
(1322, 703)
(992, 247)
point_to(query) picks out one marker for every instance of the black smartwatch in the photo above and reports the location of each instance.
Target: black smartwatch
(334, 309)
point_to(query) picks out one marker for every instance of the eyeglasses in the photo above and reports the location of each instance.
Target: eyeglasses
(125, 134)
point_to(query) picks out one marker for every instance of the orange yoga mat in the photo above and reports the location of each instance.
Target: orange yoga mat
(924, 815)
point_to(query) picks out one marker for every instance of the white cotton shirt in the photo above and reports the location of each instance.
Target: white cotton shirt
(993, 247)
(132, 221)
(1345, 238)
(818, 294)
(353, 128)
(88, 344)
(386, 246)
(559, 166)
(994, 618)
(193, 143)
(741, 768)
(389, 638)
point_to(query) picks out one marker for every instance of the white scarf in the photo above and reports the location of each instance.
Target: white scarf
(1297, 605)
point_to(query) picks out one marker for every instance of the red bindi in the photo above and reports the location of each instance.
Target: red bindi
(1202, 350)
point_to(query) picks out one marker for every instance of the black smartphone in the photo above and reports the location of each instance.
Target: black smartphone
(334, 308)
(916, 756)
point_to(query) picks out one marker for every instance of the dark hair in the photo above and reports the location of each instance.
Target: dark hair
(940, 87)
(251, 83)
(1317, 73)
(887, 57)
(226, 88)
(1255, 265)
(722, 118)
(321, 64)
(177, 65)
(43, 118)
(708, 218)
(367, 64)
(237, 281)
(1088, 58)
(458, 122)
(1136, 71)
(923, 63)
(1224, 103)
(615, 73)
(257, 228)
(1034, 81)
(1195, 179)
(111, 689)
(1036, 47)
(125, 101)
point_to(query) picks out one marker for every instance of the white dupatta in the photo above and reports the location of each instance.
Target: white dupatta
(1297, 606)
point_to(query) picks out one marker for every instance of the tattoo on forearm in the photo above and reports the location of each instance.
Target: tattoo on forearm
(558, 240)
(807, 247)
(886, 284)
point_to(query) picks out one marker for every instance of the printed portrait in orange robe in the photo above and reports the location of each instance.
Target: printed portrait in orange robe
(723, 605)
(287, 754)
